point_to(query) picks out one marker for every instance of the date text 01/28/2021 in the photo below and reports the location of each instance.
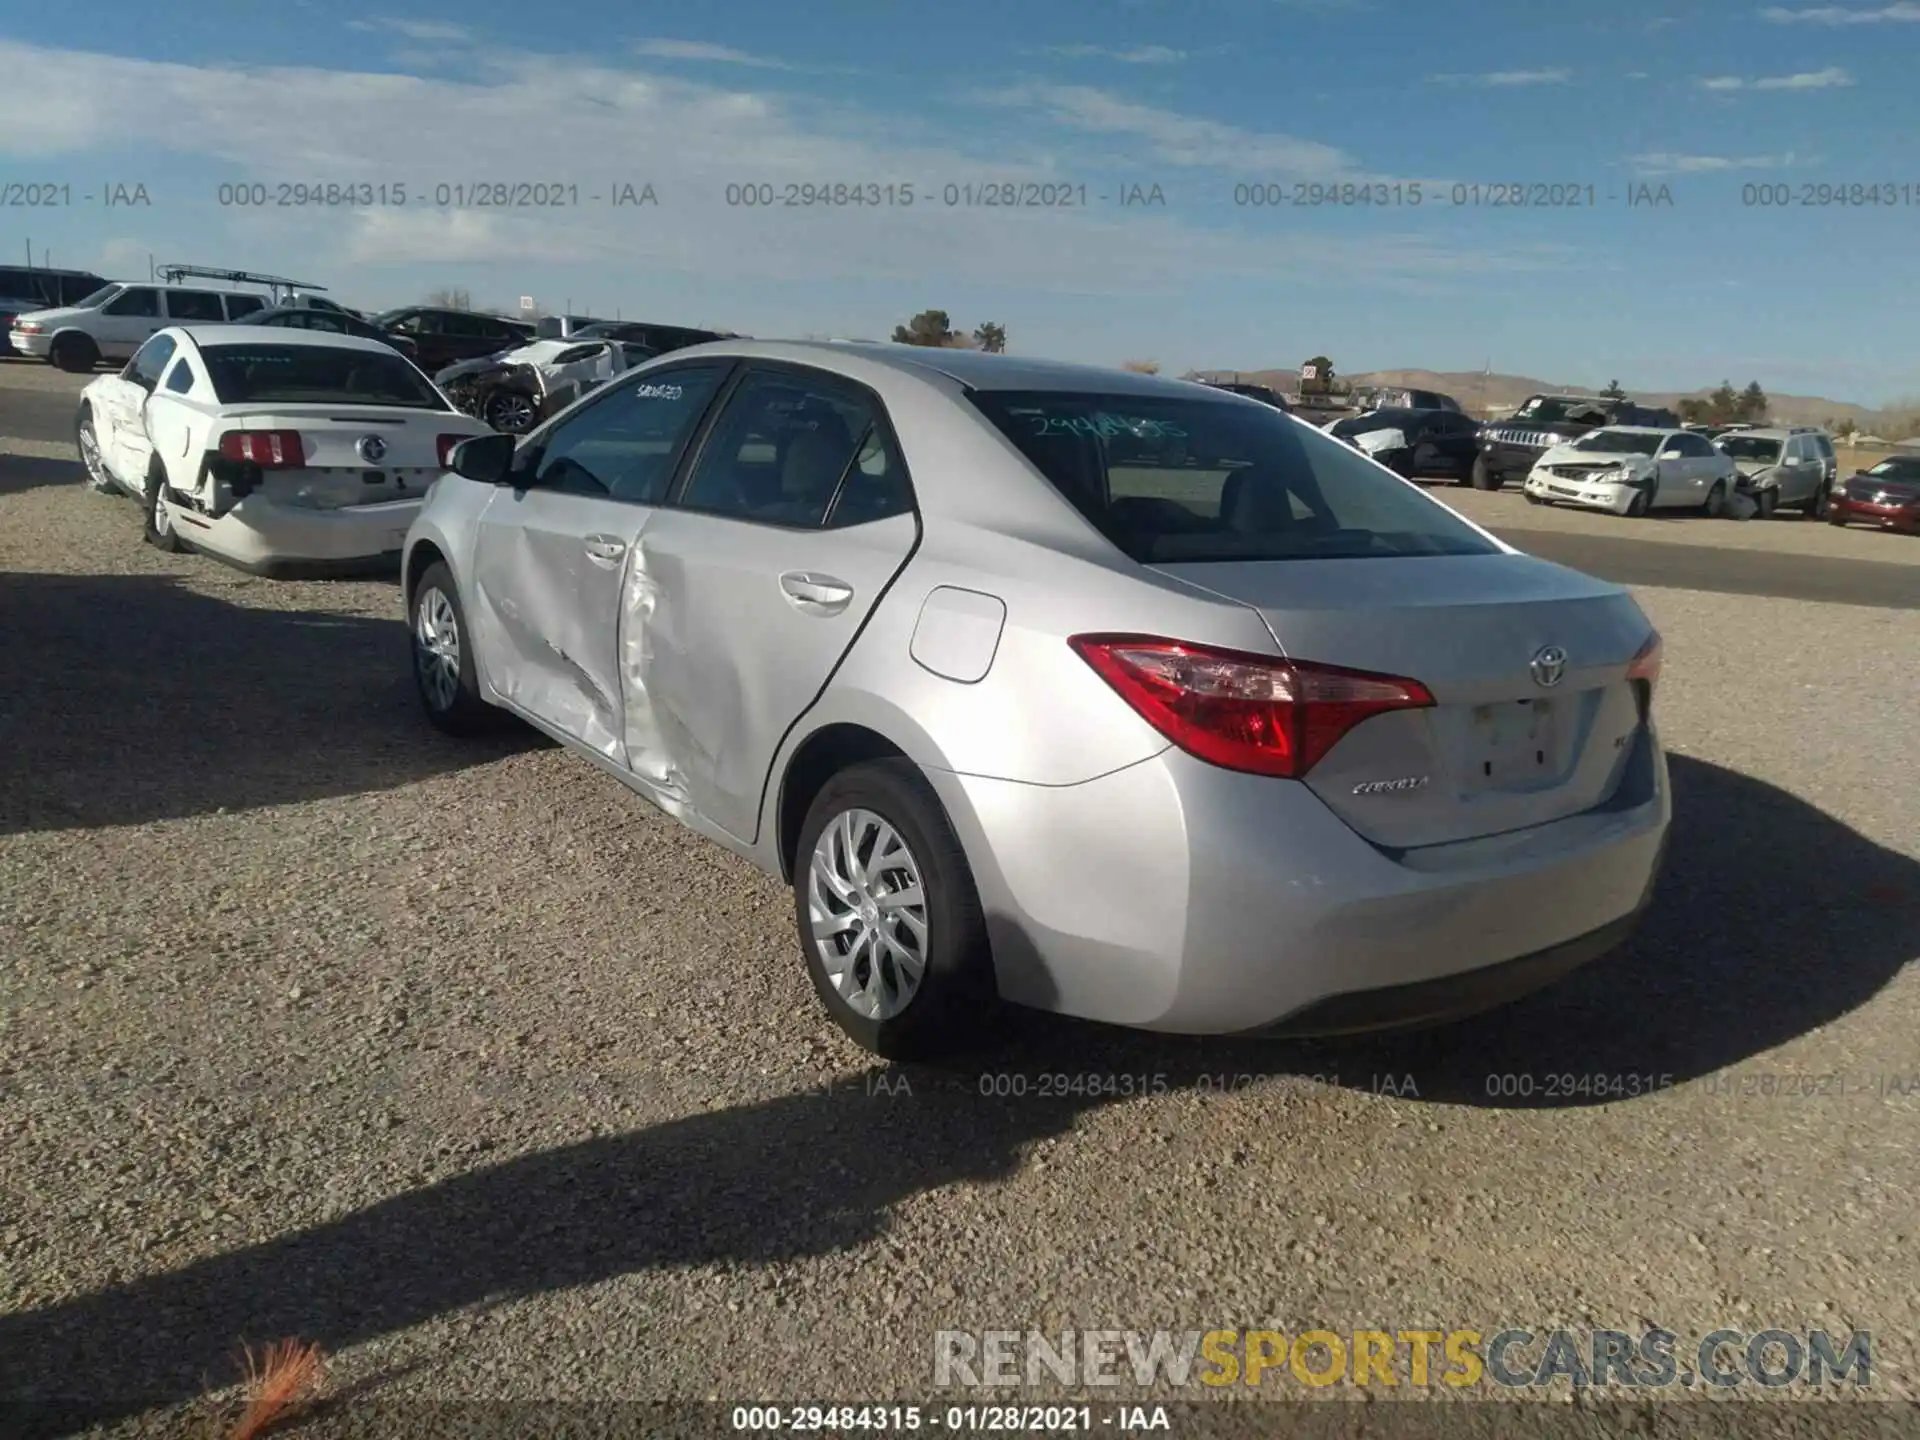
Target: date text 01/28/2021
(991, 1419)
(970, 195)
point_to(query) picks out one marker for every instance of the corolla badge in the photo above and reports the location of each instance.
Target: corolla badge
(372, 449)
(1548, 666)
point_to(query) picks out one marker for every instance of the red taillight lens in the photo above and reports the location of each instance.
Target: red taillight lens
(1257, 713)
(445, 448)
(269, 449)
(1646, 665)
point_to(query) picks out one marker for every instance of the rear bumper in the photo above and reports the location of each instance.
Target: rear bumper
(285, 541)
(1176, 896)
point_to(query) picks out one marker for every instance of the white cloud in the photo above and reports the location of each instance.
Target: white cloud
(1828, 79)
(425, 32)
(1666, 162)
(1838, 15)
(701, 50)
(1500, 79)
(566, 122)
(1185, 141)
(1136, 55)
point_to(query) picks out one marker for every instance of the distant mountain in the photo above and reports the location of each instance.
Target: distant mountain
(1479, 392)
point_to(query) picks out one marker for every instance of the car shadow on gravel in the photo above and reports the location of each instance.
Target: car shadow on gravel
(1771, 919)
(130, 698)
(21, 473)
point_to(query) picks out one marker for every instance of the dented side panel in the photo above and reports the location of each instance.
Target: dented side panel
(547, 598)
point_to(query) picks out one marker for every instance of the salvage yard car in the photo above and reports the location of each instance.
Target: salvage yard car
(1630, 470)
(1263, 738)
(117, 320)
(1888, 496)
(278, 451)
(1414, 443)
(516, 390)
(1510, 448)
(1784, 467)
(335, 321)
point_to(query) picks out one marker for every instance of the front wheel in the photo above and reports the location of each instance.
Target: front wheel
(888, 915)
(1716, 503)
(1638, 506)
(76, 354)
(509, 411)
(1764, 502)
(87, 440)
(443, 667)
(1533, 499)
(1482, 477)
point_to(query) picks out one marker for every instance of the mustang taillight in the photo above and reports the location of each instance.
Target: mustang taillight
(1256, 713)
(444, 447)
(269, 449)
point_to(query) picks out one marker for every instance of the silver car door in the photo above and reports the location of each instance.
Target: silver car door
(126, 321)
(554, 546)
(793, 521)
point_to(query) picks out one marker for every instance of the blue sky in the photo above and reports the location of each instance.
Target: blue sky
(1201, 98)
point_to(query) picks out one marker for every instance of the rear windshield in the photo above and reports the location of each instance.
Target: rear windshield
(1619, 442)
(1175, 480)
(298, 374)
(1748, 447)
(1376, 420)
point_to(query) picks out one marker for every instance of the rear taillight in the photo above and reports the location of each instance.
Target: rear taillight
(269, 449)
(1256, 713)
(444, 447)
(1644, 672)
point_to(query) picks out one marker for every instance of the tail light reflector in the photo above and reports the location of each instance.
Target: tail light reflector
(269, 449)
(444, 446)
(1644, 672)
(1256, 713)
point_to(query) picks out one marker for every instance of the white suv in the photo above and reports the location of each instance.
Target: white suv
(117, 320)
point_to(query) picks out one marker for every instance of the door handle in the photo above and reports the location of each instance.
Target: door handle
(605, 547)
(816, 594)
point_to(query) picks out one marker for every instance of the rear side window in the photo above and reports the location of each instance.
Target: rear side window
(1176, 480)
(193, 305)
(238, 305)
(299, 374)
(181, 380)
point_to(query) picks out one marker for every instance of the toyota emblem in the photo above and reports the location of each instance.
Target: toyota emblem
(372, 449)
(1549, 666)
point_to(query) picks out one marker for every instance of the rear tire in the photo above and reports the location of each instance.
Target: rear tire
(1820, 507)
(1481, 477)
(876, 997)
(159, 530)
(443, 668)
(76, 354)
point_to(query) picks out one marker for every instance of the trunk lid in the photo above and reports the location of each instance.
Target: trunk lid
(338, 473)
(1499, 751)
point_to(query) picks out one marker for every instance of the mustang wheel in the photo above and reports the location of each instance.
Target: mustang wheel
(87, 440)
(443, 659)
(888, 915)
(159, 530)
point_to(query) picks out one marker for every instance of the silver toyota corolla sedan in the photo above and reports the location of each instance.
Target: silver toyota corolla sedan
(1043, 683)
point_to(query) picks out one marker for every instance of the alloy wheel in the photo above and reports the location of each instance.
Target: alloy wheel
(162, 517)
(510, 413)
(91, 458)
(867, 905)
(436, 647)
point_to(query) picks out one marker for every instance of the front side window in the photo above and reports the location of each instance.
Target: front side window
(188, 306)
(624, 445)
(253, 372)
(140, 302)
(150, 360)
(780, 449)
(1175, 480)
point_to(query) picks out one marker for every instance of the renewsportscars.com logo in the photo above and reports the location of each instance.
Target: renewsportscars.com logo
(1513, 1358)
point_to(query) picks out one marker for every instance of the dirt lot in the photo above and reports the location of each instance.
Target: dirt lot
(462, 1063)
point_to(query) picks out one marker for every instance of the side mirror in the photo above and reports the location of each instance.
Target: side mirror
(486, 458)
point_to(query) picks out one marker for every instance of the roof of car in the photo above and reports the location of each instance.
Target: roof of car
(1638, 430)
(978, 369)
(209, 336)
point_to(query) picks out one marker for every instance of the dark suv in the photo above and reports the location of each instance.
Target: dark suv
(1509, 448)
(657, 338)
(442, 337)
(24, 288)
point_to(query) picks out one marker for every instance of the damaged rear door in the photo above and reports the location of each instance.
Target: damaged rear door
(554, 545)
(754, 581)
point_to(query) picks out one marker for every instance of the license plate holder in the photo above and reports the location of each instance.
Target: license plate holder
(1515, 743)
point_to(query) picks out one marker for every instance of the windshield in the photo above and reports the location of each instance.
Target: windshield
(1899, 467)
(1549, 408)
(1173, 480)
(98, 297)
(1749, 447)
(1619, 442)
(305, 374)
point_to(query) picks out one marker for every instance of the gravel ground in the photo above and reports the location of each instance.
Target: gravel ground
(462, 1063)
